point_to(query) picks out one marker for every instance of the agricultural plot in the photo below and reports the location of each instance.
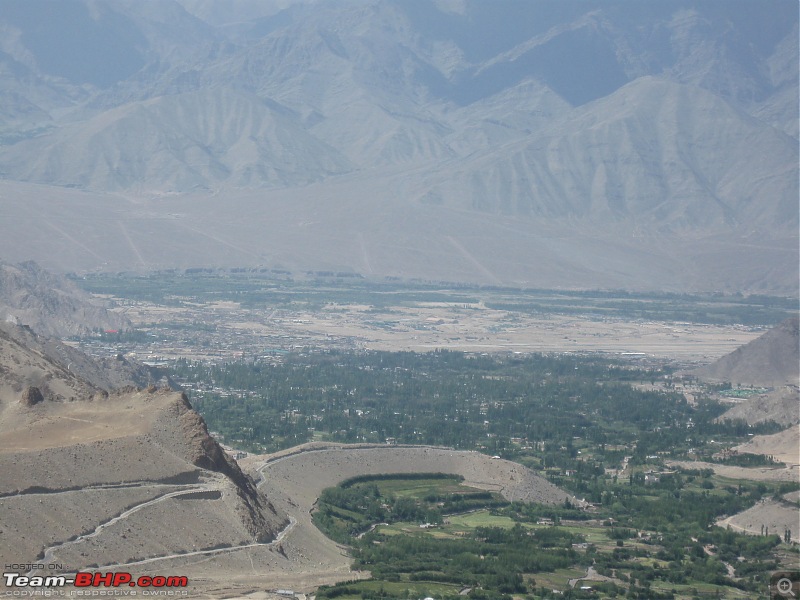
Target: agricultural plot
(511, 549)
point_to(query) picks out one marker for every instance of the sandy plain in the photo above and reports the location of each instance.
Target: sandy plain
(424, 326)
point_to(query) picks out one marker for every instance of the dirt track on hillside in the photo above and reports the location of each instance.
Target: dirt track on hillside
(772, 516)
(783, 446)
(294, 478)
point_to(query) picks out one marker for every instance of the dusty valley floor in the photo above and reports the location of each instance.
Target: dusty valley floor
(427, 326)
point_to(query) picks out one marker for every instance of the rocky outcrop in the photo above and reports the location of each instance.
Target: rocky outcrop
(770, 360)
(51, 304)
(31, 396)
(69, 372)
(188, 434)
(781, 405)
(122, 464)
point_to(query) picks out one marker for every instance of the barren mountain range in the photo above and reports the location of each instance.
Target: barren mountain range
(621, 144)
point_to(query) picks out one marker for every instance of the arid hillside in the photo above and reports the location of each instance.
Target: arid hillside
(770, 360)
(783, 446)
(50, 304)
(90, 478)
(60, 372)
(781, 405)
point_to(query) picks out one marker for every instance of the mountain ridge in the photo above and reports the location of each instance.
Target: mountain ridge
(80, 463)
(51, 304)
(772, 359)
(669, 119)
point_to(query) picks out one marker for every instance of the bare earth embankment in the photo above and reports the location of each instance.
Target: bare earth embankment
(767, 517)
(784, 446)
(733, 472)
(126, 479)
(304, 558)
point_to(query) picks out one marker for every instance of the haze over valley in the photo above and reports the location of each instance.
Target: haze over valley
(536, 144)
(359, 299)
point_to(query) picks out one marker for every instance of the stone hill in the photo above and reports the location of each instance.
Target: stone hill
(50, 304)
(771, 360)
(781, 405)
(91, 477)
(60, 371)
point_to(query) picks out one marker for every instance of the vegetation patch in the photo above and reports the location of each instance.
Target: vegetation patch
(602, 430)
(649, 542)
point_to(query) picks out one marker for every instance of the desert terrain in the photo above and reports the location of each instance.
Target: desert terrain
(301, 558)
(425, 326)
(768, 516)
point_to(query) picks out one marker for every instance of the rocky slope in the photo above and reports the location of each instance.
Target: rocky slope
(782, 446)
(90, 477)
(60, 371)
(771, 360)
(662, 131)
(50, 304)
(781, 405)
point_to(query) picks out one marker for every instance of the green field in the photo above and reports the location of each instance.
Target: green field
(421, 488)
(379, 589)
(558, 579)
(480, 518)
(507, 552)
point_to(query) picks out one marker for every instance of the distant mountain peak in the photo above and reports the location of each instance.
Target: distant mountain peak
(676, 121)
